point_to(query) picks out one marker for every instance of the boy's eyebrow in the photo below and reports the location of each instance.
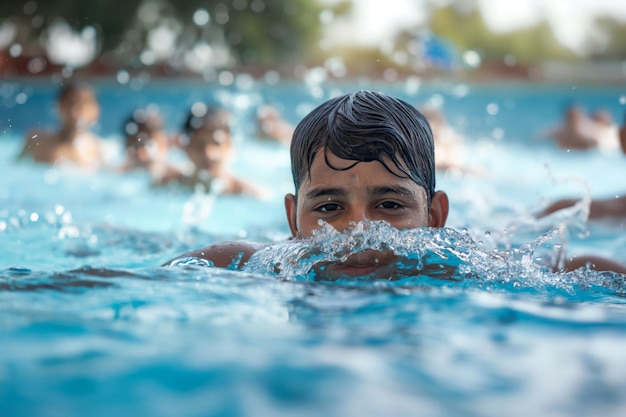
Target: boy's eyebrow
(390, 189)
(326, 192)
(376, 191)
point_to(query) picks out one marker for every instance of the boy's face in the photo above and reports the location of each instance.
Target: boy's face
(143, 148)
(209, 149)
(367, 191)
(79, 109)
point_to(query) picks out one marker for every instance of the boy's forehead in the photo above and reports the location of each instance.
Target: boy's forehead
(356, 177)
(326, 159)
(207, 136)
(78, 96)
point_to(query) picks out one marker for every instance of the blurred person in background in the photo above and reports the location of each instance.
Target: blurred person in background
(147, 145)
(606, 131)
(577, 131)
(272, 126)
(209, 147)
(73, 142)
(449, 146)
(600, 207)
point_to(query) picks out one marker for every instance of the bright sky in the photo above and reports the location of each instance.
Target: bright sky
(376, 20)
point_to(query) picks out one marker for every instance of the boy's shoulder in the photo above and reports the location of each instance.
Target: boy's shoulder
(39, 142)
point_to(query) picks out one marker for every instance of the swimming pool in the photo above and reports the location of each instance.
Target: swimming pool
(92, 326)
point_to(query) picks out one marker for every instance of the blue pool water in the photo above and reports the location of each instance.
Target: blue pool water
(91, 325)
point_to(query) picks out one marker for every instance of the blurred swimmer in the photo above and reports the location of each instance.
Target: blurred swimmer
(606, 131)
(577, 131)
(272, 126)
(210, 149)
(611, 207)
(78, 111)
(147, 145)
(449, 146)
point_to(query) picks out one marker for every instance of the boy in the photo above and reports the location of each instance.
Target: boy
(78, 111)
(147, 145)
(210, 149)
(360, 156)
(145, 140)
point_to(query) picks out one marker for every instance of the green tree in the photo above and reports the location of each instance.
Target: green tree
(255, 31)
(466, 28)
(110, 19)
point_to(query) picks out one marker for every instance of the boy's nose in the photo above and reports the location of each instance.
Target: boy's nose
(355, 215)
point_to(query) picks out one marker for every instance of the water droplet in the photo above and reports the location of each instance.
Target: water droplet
(21, 98)
(123, 77)
(498, 133)
(472, 58)
(15, 50)
(226, 78)
(36, 65)
(201, 17)
(492, 108)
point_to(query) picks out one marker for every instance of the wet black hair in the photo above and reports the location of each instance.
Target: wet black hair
(139, 127)
(366, 126)
(70, 87)
(200, 113)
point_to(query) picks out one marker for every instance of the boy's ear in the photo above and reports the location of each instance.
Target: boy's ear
(439, 206)
(291, 209)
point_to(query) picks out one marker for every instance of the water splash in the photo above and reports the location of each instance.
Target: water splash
(441, 253)
(191, 261)
(200, 206)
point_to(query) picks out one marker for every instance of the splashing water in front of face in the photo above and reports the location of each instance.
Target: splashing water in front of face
(426, 253)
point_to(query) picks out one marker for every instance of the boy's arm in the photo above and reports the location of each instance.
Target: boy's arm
(599, 208)
(225, 254)
(596, 263)
(608, 207)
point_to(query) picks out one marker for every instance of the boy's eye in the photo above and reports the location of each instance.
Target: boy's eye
(329, 207)
(389, 205)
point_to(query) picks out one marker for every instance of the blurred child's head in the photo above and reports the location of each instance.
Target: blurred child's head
(209, 143)
(362, 127)
(267, 112)
(77, 105)
(145, 137)
(575, 115)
